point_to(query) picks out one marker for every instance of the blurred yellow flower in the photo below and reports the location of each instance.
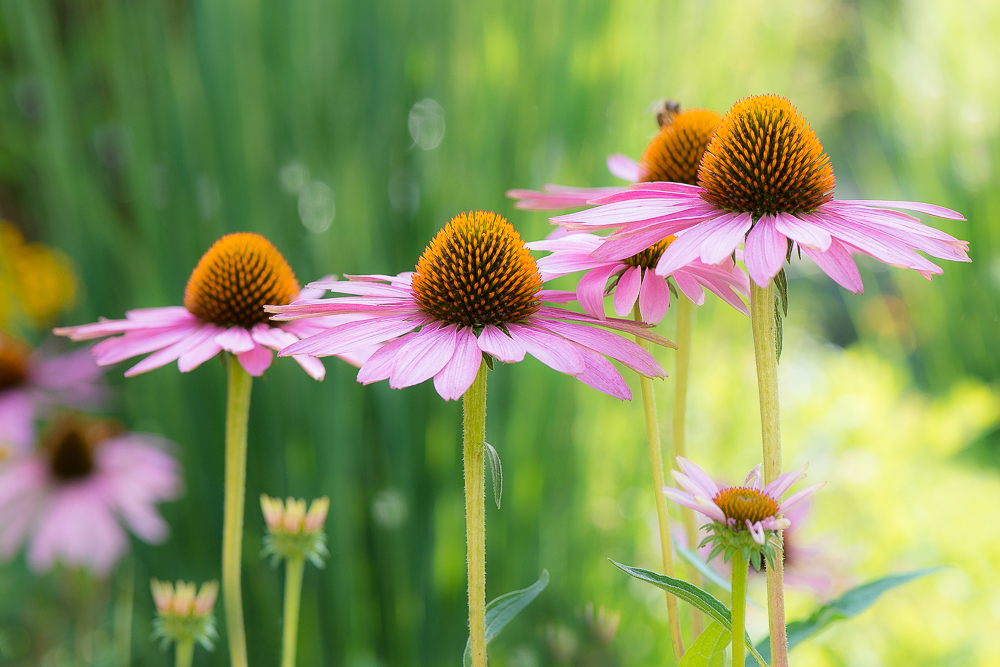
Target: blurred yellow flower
(35, 280)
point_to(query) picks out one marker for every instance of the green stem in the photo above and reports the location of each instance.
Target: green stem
(766, 354)
(685, 318)
(123, 614)
(739, 608)
(237, 414)
(663, 518)
(184, 651)
(293, 599)
(474, 423)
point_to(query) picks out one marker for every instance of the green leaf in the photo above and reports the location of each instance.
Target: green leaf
(497, 471)
(502, 611)
(694, 596)
(779, 335)
(706, 570)
(709, 649)
(781, 283)
(848, 605)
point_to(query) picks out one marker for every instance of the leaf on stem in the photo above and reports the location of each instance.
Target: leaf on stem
(497, 470)
(709, 649)
(706, 570)
(848, 605)
(694, 596)
(503, 609)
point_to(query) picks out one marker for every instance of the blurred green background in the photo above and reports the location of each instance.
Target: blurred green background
(133, 133)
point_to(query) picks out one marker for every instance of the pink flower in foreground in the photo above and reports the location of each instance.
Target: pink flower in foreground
(636, 280)
(672, 155)
(69, 498)
(223, 310)
(766, 182)
(741, 515)
(34, 381)
(476, 291)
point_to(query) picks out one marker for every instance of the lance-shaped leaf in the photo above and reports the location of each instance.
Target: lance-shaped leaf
(503, 609)
(709, 649)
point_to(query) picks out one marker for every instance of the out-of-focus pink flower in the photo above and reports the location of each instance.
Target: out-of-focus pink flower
(636, 280)
(765, 182)
(223, 310)
(70, 498)
(32, 382)
(476, 290)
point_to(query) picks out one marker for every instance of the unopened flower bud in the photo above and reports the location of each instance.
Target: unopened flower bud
(291, 531)
(183, 613)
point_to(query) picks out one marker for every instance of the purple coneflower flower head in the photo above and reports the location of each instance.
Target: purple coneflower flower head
(744, 518)
(292, 532)
(182, 615)
(223, 310)
(635, 279)
(70, 498)
(34, 381)
(476, 294)
(766, 182)
(672, 155)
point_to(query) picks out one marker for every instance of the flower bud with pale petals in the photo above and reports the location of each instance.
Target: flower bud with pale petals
(184, 614)
(291, 531)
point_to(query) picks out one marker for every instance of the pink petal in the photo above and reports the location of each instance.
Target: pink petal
(802, 232)
(198, 354)
(558, 197)
(496, 343)
(134, 343)
(682, 498)
(929, 209)
(618, 348)
(601, 374)
(625, 167)
(552, 350)
(712, 241)
(353, 335)
(379, 365)
(764, 251)
(423, 356)
(460, 372)
(313, 366)
(256, 361)
(236, 340)
(276, 338)
(627, 291)
(837, 263)
(689, 286)
(173, 352)
(590, 289)
(784, 481)
(699, 476)
(753, 478)
(795, 498)
(17, 420)
(654, 298)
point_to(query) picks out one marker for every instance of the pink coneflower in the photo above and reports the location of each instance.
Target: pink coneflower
(223, 310)
(766, 182)
(33, 381)
(636, 280)
(476, 293)
(746, 510)
(672, 155)
(70, 498)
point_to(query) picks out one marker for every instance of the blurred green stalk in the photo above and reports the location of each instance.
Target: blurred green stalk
(738, 603)
(184, 653)
(293, 600)
(237, 414)
(474, 423)
(656, 460)
(762, 319)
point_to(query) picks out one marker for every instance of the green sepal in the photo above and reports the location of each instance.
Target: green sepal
(279, 545)
(169, 628)
(488, 358)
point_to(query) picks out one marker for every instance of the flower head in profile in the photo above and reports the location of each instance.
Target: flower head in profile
(744, 518)
(223, 310)
(765, 182)
(72, 498)
(672, 155)
(292, 532)
(182, 616)
(32, 382)
(476, 294)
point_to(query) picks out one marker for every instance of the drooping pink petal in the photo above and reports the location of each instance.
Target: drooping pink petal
(198, 354)
(627, 290)
(802, 232)
(236, 339)
(173, 352)
(764, 251)
(496, 343)
(315, 368)
(709, 509)
(590, 289)
(837, 263)
(601, 374)
(353, 335)
(626, 326)
(423, 356)
(134, 343)
(756, 531)
(552, 350)
(256, 361)
(460, 372)
(929, 209)
(625, 167)
(614, 346)
(689, 286)
(654, 298)
(273, 337)
(682, 498)
(711, 241)
(379, 365)
(558, 197)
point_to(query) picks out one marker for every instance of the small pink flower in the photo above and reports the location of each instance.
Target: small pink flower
(476, 291)
(223, 310)
(69, 498)
(636, 280)
(766, 183)
(747, 507)
(32, 382)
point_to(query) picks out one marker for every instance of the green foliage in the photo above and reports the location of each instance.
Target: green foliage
(695, 597)
(848, 605)
(502, 610)
(496, 470)
(709, 649)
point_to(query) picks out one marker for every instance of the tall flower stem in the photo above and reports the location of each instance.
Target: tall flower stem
(293, 599)
(474, 427)
(766, 353)
(124, 599)
(663, 518)
(183, 653)
(237, 414)
(739, 608)
(682, 373)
